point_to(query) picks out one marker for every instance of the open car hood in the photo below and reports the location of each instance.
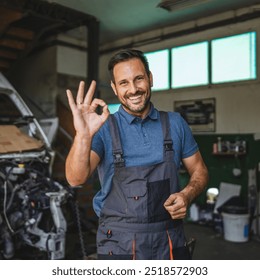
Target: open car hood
(21, 136)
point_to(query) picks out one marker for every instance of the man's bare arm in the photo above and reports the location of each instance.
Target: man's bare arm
(198, 176)
(81, 161)
(177, 204)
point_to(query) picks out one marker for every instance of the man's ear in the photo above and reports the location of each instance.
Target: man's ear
(113, 87)
(151, 79)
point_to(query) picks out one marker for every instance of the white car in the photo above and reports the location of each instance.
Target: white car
(30, 200)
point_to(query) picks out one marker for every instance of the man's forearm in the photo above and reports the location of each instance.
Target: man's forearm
(78, 161)
(196, 185)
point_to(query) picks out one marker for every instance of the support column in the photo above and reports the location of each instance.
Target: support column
(93, 52)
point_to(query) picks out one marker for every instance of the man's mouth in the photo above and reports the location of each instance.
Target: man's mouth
(135, 98)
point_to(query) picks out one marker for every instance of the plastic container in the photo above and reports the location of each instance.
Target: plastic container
(194, 212)
(236, 227)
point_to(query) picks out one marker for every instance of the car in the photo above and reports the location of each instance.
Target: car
(30, 199)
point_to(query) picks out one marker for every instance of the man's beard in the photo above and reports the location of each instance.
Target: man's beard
(141, 107)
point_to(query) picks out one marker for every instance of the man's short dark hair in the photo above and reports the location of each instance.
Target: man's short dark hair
(125, 55)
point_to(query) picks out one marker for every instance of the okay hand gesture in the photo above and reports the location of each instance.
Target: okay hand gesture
(85, 118)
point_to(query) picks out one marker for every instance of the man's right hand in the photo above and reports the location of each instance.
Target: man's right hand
(85, 118)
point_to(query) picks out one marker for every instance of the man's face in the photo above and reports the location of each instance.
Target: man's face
(133, 87)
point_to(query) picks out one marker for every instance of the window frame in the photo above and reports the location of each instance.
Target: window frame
(168, 86)
(255, 56)
(207, 66)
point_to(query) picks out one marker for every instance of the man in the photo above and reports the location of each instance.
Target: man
(137, 151)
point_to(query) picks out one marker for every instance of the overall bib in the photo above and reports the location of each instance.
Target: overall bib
(134, 223)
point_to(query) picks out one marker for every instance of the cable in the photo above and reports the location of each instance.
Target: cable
(4, 207)
(81, 239)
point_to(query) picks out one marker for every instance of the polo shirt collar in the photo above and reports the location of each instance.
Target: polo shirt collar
(153, 114)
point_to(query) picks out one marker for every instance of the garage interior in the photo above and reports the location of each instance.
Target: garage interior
(49, 46)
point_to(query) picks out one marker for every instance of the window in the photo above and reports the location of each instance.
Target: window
(234, 58)
(113, 107)
(227, 59)
(190, 65)
(159, 66)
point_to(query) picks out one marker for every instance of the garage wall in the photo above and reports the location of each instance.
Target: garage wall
(71, 62)
(237, 104)
(34, 77)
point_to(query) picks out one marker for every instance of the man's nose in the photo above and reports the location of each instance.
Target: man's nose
(132, 87)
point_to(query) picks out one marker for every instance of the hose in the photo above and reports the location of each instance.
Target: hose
(78, 222)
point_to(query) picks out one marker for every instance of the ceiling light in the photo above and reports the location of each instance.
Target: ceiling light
(174, 5)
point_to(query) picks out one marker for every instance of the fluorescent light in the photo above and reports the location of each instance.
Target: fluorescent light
(173, 5)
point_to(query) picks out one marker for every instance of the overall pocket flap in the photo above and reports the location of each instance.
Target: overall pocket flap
(136, 189)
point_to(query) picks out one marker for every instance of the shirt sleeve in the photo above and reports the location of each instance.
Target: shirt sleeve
(97, 145)
(184, 139)
(189, 145)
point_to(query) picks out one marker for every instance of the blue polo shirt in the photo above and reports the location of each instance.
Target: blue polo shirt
(142, 141)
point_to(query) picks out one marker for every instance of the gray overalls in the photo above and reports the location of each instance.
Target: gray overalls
(134, 223)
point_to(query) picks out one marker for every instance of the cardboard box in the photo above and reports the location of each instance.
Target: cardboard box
(12, 139)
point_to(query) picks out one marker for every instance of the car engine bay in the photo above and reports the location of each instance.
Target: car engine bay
(31, 201)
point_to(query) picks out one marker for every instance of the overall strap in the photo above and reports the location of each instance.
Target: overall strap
(116, 143)
(168, 144)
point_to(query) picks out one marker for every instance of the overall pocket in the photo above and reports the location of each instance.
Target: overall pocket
(114, 245)
(136, 197)
(158, 192)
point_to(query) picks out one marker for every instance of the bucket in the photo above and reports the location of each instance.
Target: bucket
(236, 227)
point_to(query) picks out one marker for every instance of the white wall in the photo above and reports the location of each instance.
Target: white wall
(71, 61)
(237, 104)
(38, 75)
(35, 77)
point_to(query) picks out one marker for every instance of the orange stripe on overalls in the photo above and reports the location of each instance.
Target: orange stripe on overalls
(170, 246)
(133, 249)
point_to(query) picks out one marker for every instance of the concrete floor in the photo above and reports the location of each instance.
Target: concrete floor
(211, 245)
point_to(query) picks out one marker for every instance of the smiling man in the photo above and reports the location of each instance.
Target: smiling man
(132, 86)
(137, 152)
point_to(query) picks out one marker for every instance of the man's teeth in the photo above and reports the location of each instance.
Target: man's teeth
(135, 97)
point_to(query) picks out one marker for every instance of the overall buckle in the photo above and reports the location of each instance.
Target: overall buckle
(168, 146)
(118, 159)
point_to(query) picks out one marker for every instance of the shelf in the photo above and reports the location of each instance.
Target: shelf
(229, 154)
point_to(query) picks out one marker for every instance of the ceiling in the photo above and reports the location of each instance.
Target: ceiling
(121, 18)
(25, 24)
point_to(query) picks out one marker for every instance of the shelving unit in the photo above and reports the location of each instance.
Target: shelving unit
(229, 148)
(235, 154)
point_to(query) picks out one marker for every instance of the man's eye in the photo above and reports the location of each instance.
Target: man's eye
(123, 83)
